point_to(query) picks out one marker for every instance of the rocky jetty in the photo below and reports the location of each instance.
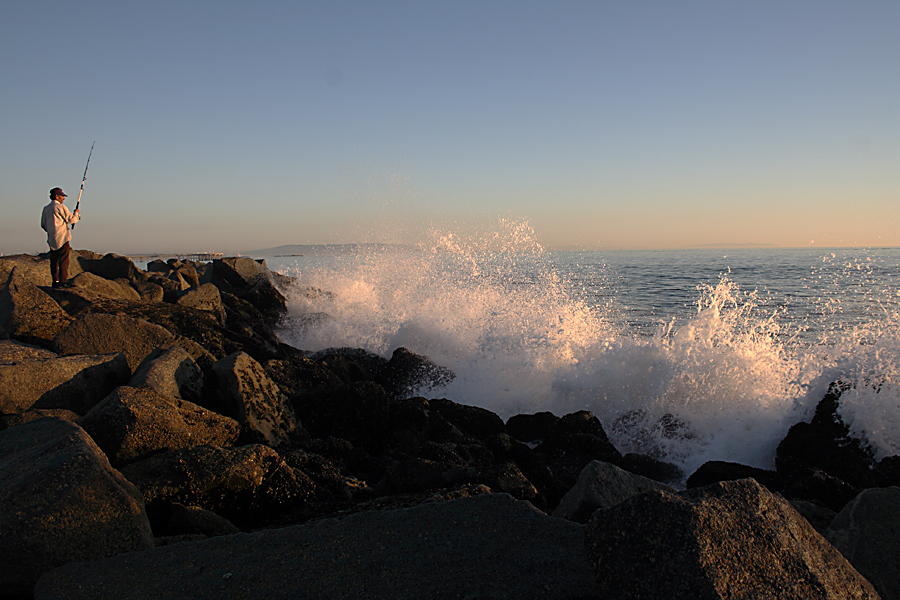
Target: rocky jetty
(157, 440)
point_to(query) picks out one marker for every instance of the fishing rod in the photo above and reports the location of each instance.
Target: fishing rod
(83, 179)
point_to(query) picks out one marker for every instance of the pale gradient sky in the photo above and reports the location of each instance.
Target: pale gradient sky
(230, 126)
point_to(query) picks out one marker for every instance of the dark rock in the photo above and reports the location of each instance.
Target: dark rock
(478, 422)
(487, 546)
(359, 413)
(171, 288)
(300, 373)
(651, 468)
(195, 325)
(715, 471)
(113, 266)
(206, 297)
(28, 314)
(818, 515)
(175, 519)
(887, 472)
(267, 299)
(94, 284)
(102, 334)
(157, 266)
(507, 478)
(171, 371)
(818, 486)
(412, 423)
(351, 364)
(12, 352)
(132, 423)
(246, 393)
(408, 373)
(237, 272)
(7, 421)
(601, 485)
(733, 539)
(419, 474)
(248, 485)
(825, 444)
(576, 440)
(867, 533)
(31, 268)
(188, 273)
(531, 428)
(73, 383)
(61, 502)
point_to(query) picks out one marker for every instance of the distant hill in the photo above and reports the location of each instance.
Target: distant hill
(328, 249)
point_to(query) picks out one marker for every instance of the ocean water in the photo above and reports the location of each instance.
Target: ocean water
(686, 355)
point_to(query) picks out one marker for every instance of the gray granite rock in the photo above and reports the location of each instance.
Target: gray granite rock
(248, 395)
(95, 284)
(74, 383)
(867, 533)
(171, 371)
(28, 314)
(131, 423)
(733, 539)
(101, 333)
(61, 501)
(488, 546)
(602, 485)
(205, 297)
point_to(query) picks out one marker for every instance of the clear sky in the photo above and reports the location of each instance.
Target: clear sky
(231, 126)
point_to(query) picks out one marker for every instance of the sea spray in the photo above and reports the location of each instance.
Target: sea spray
(720, 378)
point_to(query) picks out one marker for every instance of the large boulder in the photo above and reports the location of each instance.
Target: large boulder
(478, 422)
(487, 546)
(408, 373)
(205, 297)
(131, 423)
(171, 371)
(96, 333)
(32, 268)
(246, 393)
(149, 291)
(238, 272)
(733, 539)
(360, 413)
(824, 444)
(575, 440)
(531, 427)
(28, 314)
(74, 383)
(867, 533)
(113, 266)
(602, 485)
(61, 501)
(247, 484)
(94, 284)
(7, 421)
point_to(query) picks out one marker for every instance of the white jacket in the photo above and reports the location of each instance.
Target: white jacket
(55, 221)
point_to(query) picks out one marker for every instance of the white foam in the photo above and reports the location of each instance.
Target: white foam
(724, 384)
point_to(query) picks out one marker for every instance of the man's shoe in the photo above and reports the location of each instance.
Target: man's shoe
(67, 284)
(55, 284)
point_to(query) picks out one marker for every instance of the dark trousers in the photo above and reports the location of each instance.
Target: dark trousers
(59, 264)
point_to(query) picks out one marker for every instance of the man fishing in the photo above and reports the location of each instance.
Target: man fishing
(55, 220)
